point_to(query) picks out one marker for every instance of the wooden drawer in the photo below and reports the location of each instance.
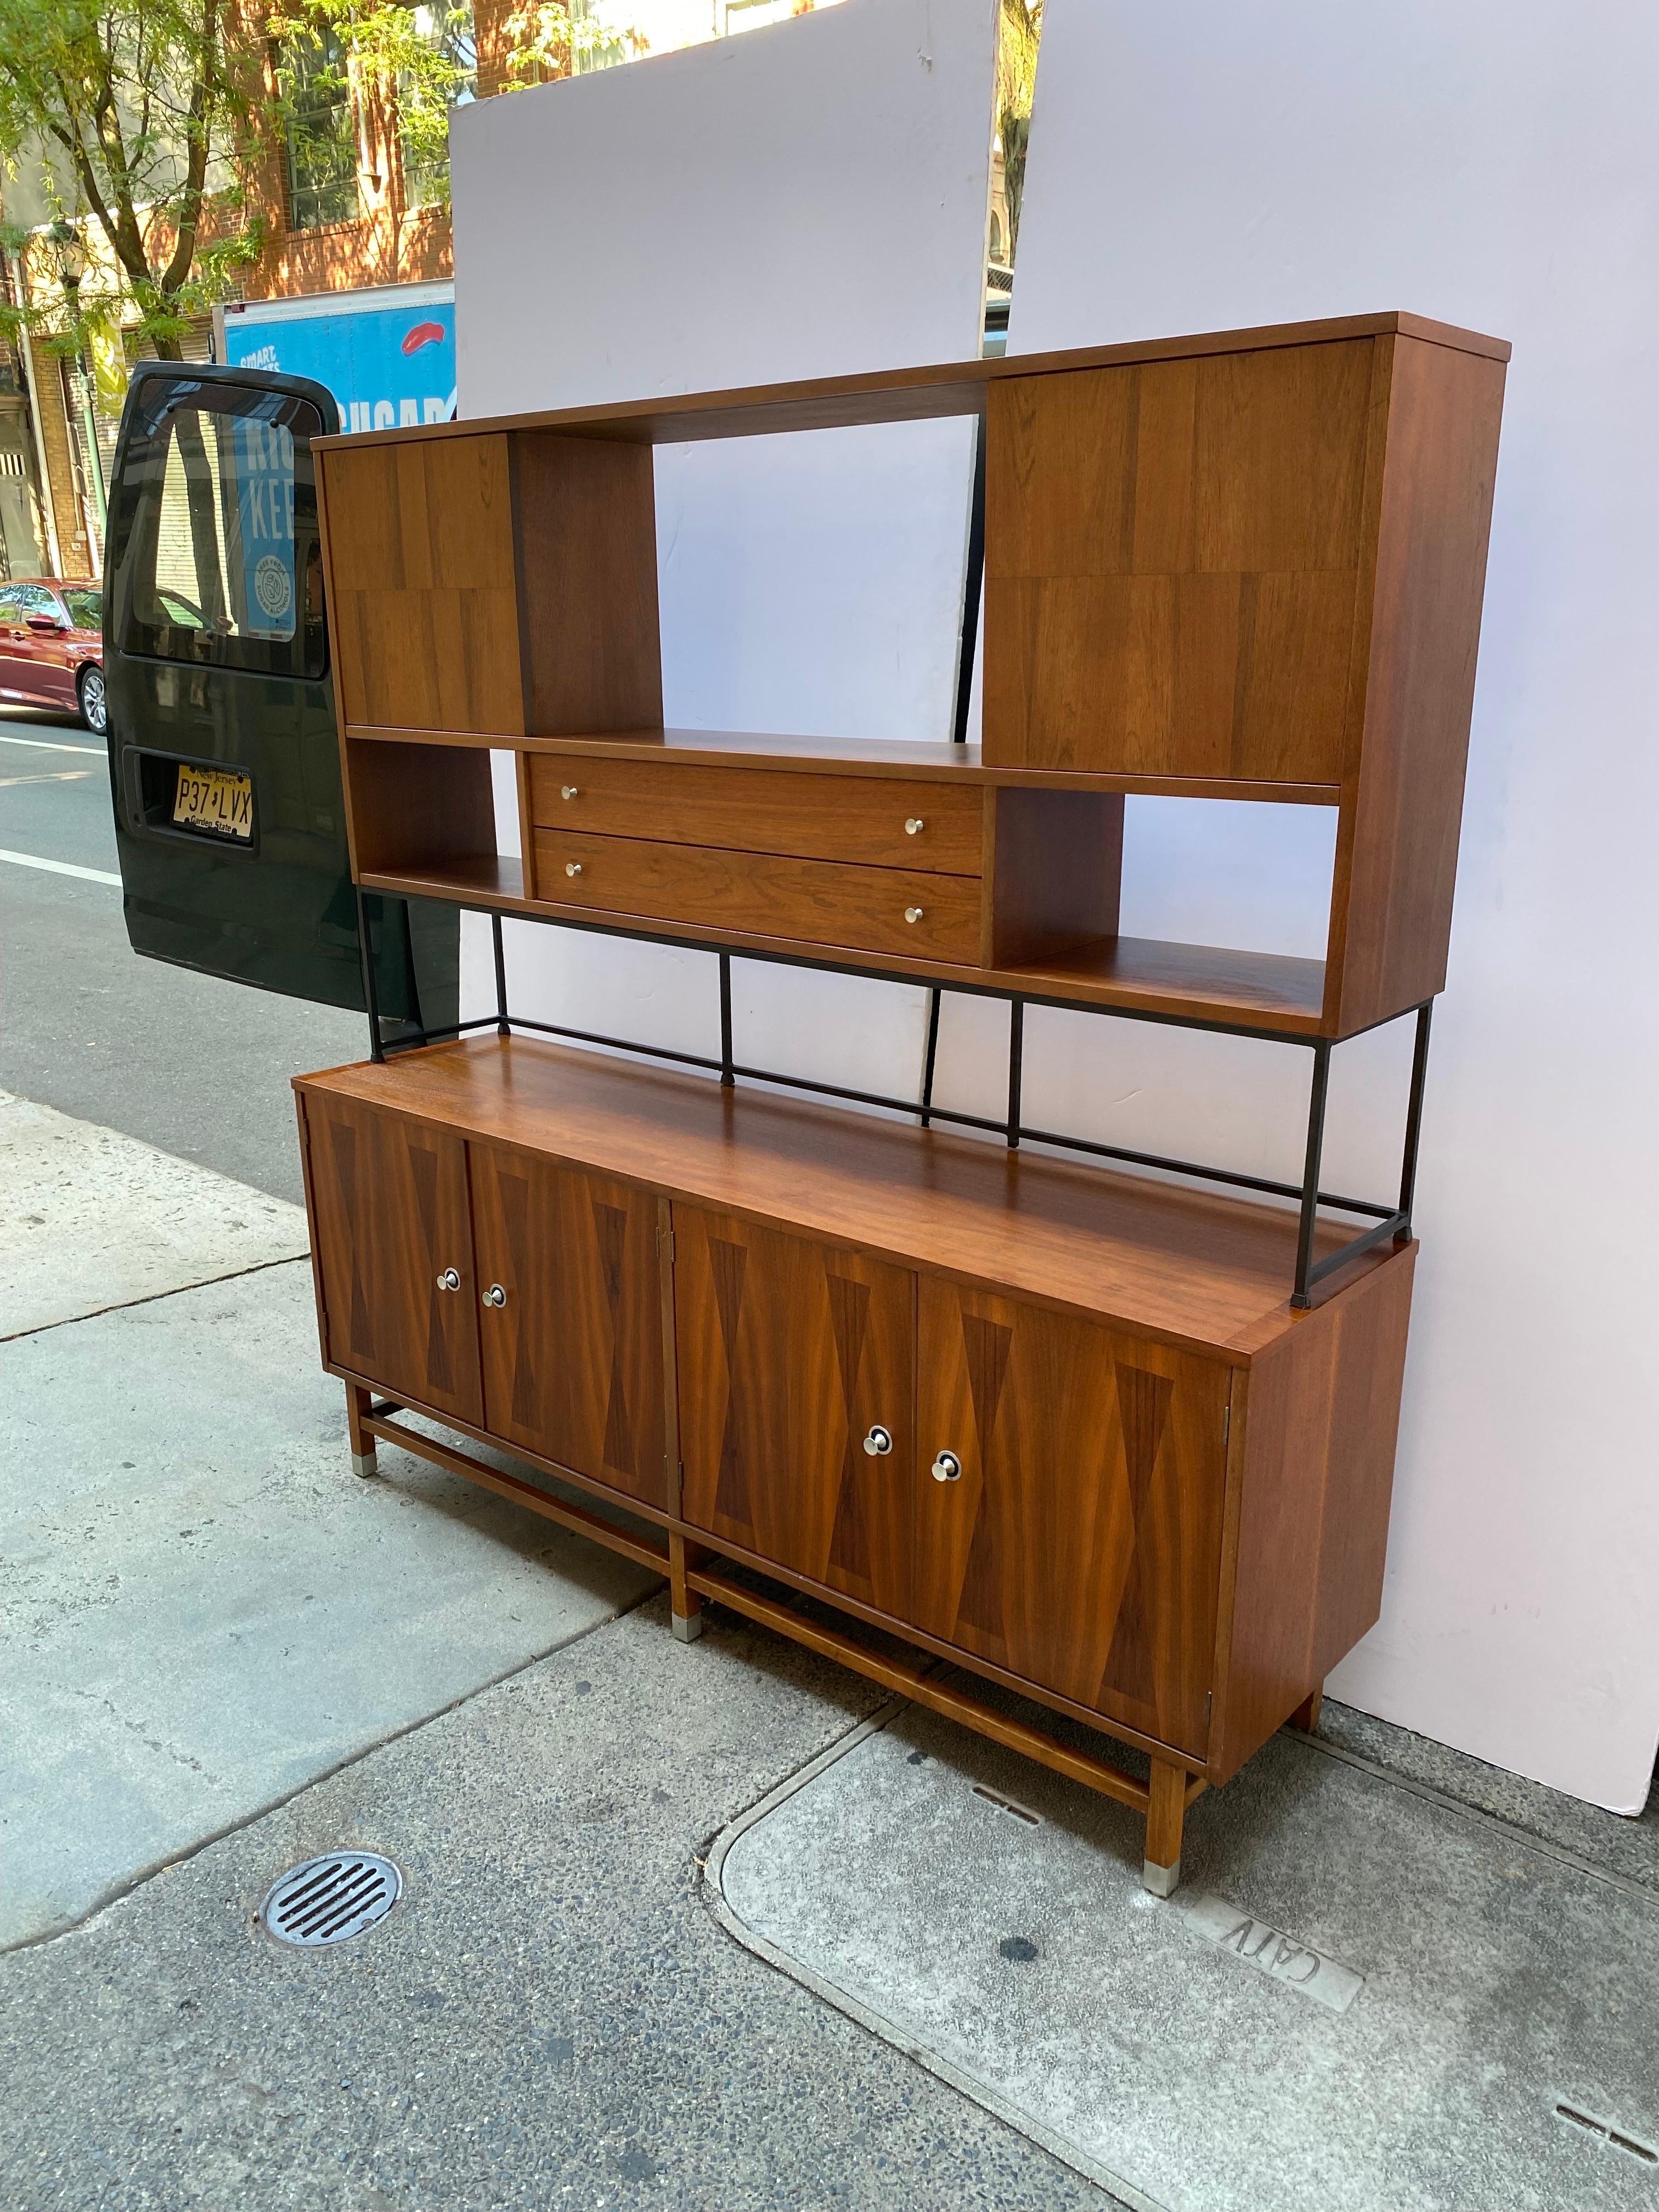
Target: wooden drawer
(860, 818)
(765, 895)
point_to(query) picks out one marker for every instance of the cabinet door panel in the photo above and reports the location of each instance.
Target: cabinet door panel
(389, 1197)
(573, 1361)
(788, 1352)
(1080, 1547)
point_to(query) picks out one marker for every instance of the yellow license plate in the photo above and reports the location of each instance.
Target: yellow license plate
(216, 799)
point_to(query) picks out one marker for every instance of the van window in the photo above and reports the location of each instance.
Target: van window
(216, 549)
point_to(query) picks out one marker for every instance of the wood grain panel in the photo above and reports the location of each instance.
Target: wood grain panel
(414, 807)
(1321, 1411)
(856, 818)
(818, 902)
(1397, 860)
(1171, 551)
(423, 611)
(788, 1351)
(1056, 873)
(1184, 1265)
(390, 1202)
(1081, 1545)
(573, 1362)
(586, 534)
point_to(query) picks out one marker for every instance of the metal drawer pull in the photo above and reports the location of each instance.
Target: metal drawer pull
(449, 1280)
(915, 823)
(913, 913)
(567, 791)
(878, 1443)
(495, 1296)
(573, 867)
(947, 1468)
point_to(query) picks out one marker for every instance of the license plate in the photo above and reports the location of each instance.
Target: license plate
(219, 800)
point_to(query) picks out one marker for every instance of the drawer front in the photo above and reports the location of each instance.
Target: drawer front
(861, 818)
(813, 902)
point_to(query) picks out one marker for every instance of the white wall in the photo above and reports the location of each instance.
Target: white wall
(808, 200)
(1493, 163)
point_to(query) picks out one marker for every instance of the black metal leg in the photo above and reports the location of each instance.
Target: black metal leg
(502, 1027)
(1016, 1057)
(371, 997)
(930, 1058)
(1321, 1076)
(972, 586)
(1413, 1121)
(727, 1078)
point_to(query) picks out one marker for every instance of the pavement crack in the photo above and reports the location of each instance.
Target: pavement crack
(153, 1297)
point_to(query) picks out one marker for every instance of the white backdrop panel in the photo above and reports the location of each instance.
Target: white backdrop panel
(807, 200)
(1493, 163)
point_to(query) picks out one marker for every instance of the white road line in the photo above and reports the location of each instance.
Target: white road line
(61, 868)
(45, 745)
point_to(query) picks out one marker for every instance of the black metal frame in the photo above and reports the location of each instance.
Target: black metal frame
(1388, 1222)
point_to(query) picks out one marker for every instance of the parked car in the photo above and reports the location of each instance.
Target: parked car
(51, 647)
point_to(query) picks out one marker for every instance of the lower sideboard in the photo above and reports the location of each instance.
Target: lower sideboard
(1057, 1426)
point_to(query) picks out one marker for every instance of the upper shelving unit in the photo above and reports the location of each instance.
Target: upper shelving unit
(1246, 565)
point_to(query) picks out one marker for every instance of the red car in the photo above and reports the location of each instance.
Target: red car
(51, 647)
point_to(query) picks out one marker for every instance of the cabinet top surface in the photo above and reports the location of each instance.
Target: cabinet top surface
(903, 394)
(1198, 1270)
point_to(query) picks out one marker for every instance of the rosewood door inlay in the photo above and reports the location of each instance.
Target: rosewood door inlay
(390, 1208)
(1080, 1547)
(572, 1352)
(790, 1353)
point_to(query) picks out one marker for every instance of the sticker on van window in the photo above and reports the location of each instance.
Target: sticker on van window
(264, 499)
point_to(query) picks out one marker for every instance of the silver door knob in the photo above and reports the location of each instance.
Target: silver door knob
(567, 791)
(914, 823)
(947, 1468)
(449, 1280)
(913, 913)
(573, 867)
(878, 1443)
(495, 1296)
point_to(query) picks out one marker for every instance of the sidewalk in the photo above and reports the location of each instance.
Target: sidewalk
(679, 1928)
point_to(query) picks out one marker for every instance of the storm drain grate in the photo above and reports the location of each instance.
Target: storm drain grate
(1594, 2125)
(329, 1899)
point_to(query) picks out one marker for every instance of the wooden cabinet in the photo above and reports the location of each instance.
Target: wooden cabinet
(569, 1302)
(1068, 1516)
(393, 1251)
(1058, 1425)
(790, 1353)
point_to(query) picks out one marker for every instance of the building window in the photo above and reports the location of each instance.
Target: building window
(322, 145)
(448, 78)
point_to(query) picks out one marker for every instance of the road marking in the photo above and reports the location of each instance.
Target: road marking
(45, 745)
(61, 868)
(47, 775)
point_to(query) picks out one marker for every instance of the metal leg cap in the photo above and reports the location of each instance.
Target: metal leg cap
(687, 1626)
(364, 1463)
(1162, 1881)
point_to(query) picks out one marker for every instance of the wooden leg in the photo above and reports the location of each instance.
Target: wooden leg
(1162, 1871)
(1306, 1715)
(363, 1445)
(685, 1606)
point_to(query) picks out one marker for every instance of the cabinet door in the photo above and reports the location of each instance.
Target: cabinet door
(1080, 1545)
(572, 1360)
(390, 1202)
(788, 1353)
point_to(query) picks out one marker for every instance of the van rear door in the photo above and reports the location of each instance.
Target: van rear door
(224, 753)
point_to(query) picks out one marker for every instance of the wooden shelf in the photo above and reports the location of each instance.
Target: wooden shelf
(1192, 983)
(1206, 1272)
(934, 758)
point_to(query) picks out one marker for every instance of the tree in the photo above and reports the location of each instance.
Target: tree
(139, 113)
(1017, 61)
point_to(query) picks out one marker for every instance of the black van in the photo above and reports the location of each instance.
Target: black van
(223, 753)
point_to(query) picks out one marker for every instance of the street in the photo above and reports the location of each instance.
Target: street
(190, 1063)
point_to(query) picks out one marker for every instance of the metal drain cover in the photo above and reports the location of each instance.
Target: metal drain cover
(331, 1898)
